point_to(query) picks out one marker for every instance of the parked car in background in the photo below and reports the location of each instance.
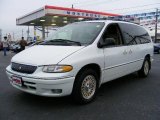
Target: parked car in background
(1, 46)
(15, 47)
(157, 48)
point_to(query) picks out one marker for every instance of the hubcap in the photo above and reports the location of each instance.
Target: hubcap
(88, 87)
(146, 67)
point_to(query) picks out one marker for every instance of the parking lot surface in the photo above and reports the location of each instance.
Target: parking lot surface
(127, 98)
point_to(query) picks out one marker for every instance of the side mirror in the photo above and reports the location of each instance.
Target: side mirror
(108, 42)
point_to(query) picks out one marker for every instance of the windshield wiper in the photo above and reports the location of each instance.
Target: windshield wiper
(66, 41)
(61, 42)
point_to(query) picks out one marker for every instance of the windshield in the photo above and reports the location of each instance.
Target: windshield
(82, 33)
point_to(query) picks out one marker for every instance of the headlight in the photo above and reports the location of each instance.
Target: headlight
(57, 68)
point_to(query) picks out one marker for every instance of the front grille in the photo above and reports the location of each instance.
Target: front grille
(29, 69)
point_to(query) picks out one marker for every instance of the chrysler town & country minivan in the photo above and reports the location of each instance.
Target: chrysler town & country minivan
(80, 57)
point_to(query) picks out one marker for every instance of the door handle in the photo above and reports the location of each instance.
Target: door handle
(124, 52)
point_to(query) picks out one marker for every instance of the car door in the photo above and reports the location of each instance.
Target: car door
(132, 35)
(115, 56)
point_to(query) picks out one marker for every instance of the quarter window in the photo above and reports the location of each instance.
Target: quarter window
(134, 34)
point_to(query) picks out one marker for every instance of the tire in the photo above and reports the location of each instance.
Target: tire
(144, 71)
(85, 86)
(159, 51)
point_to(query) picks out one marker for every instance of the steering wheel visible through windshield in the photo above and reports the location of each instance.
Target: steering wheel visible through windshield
(82, 33)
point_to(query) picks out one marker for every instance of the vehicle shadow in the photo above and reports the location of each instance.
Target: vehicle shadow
(119, 84)
(106, 90)
(34, 100)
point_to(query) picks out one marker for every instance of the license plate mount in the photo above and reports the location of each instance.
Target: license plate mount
(17, 81)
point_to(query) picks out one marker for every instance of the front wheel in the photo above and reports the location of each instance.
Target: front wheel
(144, 71)
(85, 86)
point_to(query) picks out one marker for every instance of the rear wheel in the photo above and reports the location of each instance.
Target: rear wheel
(144, 71)
(85, 86)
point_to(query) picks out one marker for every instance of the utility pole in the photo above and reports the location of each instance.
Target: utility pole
(22, 32)
(28, 33)
(47, 31)
(13, 36)
(156, 22)
(0, 34)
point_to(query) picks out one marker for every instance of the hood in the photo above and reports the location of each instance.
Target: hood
(44, 54)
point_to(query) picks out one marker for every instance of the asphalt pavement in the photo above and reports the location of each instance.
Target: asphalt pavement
(127, 98)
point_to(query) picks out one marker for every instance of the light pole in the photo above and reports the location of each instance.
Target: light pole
(22, 32)
(156, 22)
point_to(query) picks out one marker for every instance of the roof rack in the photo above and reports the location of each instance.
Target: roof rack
(117, 18)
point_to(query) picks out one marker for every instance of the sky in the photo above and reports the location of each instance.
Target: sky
(12, 9)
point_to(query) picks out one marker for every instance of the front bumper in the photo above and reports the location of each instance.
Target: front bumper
(52, 87)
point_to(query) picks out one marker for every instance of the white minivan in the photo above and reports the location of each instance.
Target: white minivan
(80, 57)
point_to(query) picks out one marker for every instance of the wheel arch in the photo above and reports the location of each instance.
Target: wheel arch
(92, 66)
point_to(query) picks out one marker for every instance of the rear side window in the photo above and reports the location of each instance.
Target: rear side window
(133, 34)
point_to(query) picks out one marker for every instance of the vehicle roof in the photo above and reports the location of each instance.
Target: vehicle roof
(111, 21)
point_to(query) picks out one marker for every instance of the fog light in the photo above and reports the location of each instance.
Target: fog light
(57, 91)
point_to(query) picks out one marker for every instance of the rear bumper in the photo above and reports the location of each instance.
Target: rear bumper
(55, 87)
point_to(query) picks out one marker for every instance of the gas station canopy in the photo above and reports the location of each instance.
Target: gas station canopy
(59, 16)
